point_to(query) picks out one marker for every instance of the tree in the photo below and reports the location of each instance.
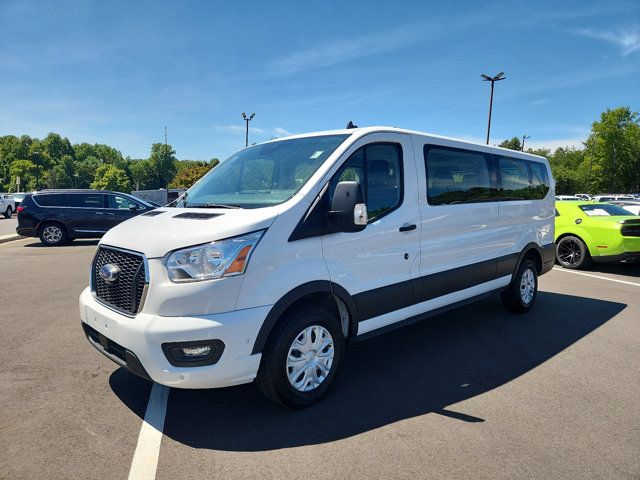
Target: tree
(85, 171)
(26, 170)
(163, 164)
(110, 177)
(513, 144)
(141, 173)
(613, 152)
(189, 172)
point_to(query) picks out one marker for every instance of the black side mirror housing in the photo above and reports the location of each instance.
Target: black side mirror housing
(348, 211)
(133, 207)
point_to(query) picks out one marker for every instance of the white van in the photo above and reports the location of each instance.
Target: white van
(289, 248)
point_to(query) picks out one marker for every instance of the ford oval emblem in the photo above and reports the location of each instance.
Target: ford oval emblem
(109, 272)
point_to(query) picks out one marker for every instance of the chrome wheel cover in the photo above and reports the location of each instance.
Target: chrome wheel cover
(527, 286)
(52, 234)
(309, 358)
(569, 253)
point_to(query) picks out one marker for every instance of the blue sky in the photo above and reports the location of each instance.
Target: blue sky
(119, 72)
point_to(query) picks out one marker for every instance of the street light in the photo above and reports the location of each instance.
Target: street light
(37, 155)
(247, 119)
(524, 137)
(487, 78)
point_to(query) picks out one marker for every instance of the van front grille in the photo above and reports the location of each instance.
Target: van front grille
(125, 292)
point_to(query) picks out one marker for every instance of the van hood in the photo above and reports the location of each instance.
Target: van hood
(160, 231)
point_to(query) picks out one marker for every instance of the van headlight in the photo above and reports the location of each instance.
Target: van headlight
(218, 259)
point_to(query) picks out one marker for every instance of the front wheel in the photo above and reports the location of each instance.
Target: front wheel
(302, 357)
(8, 213)
(571, 252)
(523, 290)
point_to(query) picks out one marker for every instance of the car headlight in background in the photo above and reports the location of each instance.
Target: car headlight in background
(218, 259)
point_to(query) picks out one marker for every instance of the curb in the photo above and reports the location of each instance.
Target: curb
(9, 238)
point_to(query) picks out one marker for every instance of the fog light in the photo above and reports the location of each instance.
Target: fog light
(196, 351)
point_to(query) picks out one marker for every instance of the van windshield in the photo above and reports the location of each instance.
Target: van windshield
(262, 175)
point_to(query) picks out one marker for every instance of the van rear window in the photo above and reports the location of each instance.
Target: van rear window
(52, 200)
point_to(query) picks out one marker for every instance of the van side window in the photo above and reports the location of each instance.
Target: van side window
(86, 200)
(515, 180)
(457, 176)
(539, 180)
(378, 169)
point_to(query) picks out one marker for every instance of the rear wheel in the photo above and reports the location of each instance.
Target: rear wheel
(53, 234)
(523, 290)
(8, 213)
(571, 252)
(302, 357)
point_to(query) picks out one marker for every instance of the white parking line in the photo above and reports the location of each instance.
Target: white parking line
(596, 276)
(145, 458)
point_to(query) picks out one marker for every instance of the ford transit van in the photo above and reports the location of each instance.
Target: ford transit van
(270, 264)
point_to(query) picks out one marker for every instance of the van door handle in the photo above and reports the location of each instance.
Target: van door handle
(407, 227)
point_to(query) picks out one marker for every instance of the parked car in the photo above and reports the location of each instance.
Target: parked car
(564, 198)
(611, 198)
(58, 216)
(584, 196)
(598, 232)
(287, 249)
(17, 198)
(632, 206)
(6, 205)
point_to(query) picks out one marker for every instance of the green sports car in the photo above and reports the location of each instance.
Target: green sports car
(593, 231)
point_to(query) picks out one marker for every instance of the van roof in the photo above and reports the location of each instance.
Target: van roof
(362, 131)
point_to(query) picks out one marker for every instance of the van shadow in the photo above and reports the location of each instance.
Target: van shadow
(402, 374)
(74, 243)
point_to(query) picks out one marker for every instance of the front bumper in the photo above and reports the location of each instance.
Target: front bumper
(136, 343)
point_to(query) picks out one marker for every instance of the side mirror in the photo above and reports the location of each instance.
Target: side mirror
(348, 211)
(133, 207)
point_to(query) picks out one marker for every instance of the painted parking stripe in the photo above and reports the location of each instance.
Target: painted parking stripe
(145, 458)
(596, 276)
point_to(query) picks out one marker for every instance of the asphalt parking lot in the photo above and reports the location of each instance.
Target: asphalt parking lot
(474, 393)
(8, 225)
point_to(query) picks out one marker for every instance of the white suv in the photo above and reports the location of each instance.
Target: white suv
(283, 252)
(6, 205)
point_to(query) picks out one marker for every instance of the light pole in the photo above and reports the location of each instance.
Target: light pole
(247, 119)
(487, 78)
(524, 137)
(37, 155)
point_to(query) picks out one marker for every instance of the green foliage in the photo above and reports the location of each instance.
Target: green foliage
(141, 173)
(609, 163)
(513, 144)
(613, 152)
(163, 164)
(26, 170)
(110, 177)
(190, 171)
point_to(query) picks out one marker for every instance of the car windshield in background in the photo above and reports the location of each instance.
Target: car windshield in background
(604, 210)
(262, 175)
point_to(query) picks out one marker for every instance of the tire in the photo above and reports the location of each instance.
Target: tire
(8, 213)
(571, 252)
(290, 339)
(523, 290)
(53, 234)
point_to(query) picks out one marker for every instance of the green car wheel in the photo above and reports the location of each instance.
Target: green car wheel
(571, 252)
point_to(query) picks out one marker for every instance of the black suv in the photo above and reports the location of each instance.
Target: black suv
(58, 216)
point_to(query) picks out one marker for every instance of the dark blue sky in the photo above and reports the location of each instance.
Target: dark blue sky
(118, 72)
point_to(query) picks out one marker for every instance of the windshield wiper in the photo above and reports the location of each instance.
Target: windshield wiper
(212, 205)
